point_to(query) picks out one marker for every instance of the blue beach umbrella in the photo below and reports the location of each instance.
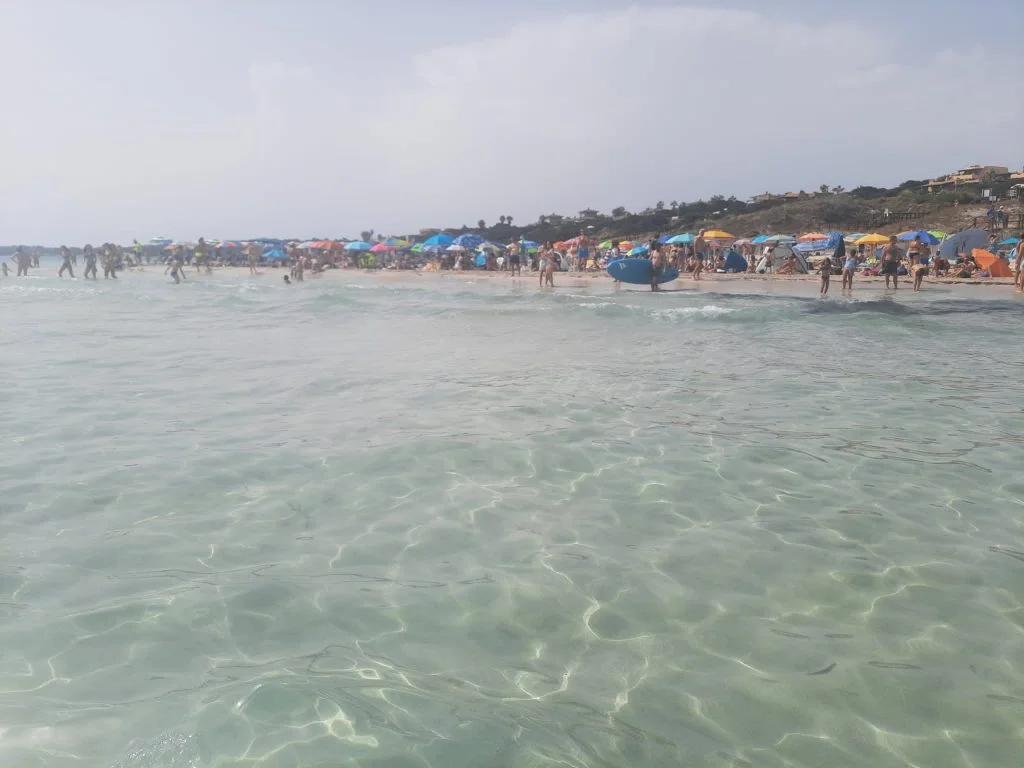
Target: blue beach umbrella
(640, 250)
(275, 255)
(684, 239)
(358, 245)
(1010, 241)
(469, 242)
(441, 239)
(926, 237)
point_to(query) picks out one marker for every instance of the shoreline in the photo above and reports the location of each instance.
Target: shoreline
(799, 285)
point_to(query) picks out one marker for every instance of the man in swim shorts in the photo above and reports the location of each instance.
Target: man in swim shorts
(891, 263)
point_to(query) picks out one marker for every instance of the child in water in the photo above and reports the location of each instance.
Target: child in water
(826, 274)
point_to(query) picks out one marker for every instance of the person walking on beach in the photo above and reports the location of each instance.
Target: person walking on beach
(3, 268)
(825, 270)
(90, 262)
(1018, 264)
(891, 263)
(65, 264)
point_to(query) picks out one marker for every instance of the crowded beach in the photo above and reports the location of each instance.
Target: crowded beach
(918, 256)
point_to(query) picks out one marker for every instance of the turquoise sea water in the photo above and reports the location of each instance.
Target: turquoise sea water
(458, 524)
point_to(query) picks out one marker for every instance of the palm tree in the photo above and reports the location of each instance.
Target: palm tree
(823, 189)
(660, 205)
(481, 224)
(674, 204)
(509, 220)
(366, 235)
(838, 190)
(501, 219)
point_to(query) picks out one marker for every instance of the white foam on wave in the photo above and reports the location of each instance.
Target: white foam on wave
(710, 310)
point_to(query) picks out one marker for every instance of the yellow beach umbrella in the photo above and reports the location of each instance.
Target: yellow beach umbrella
(718, 234)
(873, 239)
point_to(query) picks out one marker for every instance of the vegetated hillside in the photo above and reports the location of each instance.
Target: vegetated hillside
(862, 209)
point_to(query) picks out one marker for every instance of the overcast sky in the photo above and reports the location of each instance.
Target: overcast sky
(246, 118)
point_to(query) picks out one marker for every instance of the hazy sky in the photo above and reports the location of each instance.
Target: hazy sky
(245, 118)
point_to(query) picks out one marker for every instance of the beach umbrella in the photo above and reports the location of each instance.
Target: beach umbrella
(926, 237)
(469, 242)
(938, 233)
(275, 255)
(358, 245)
(626, 245)
(306, 245)
(1010, 241)
(441, 239)
(684, 239)
(640, 250)
(418, 248)
(811, 236)
(455, 249)
(873, 239)
(383, 248)
(489, 246)
(718, 234)
(398, 242)
(854, 237)
(528, 244)
(607, 245)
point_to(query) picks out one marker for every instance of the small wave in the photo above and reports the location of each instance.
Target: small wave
(904, 309)
(711, 310)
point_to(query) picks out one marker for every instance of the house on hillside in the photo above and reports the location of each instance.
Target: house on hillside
(972, 174)
(768, 197)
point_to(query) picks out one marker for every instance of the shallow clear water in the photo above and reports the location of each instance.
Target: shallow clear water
(440, 523)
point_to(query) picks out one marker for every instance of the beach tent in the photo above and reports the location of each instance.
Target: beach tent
(734, 262)
(991, 263)
(780, 255)
(965, 242)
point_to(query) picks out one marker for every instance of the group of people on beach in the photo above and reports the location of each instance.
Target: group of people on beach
(578, 255)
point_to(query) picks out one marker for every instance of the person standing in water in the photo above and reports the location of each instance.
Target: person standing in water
(65, 264)
(254, 252)
(547, 269)
(23, 259)
(109, 262)
(90, 262)
(825, 270)
(657, 263)
(137, 246)
(849, 268)
(891, 263)
(920, 254)
(176, 267)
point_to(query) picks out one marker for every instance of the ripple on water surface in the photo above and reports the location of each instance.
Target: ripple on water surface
(351, 522)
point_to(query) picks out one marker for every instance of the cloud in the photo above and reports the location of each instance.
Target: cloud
(592, 109)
